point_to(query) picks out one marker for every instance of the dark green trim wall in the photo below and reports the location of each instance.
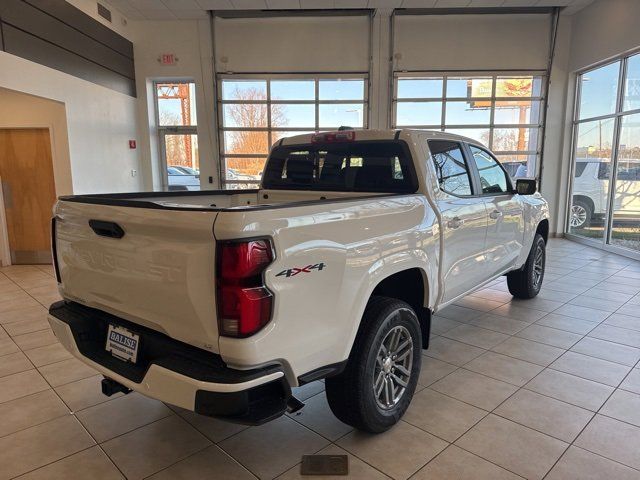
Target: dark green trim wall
(56, 34)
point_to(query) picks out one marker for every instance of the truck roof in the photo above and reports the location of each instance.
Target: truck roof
(386, 134)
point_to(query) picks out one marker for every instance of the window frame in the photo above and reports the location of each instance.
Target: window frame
(491, 126)
(268, 77)
(164, 130)
(617, 116)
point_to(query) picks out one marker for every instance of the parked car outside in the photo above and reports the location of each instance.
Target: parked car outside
(183, 178)
(591, 191)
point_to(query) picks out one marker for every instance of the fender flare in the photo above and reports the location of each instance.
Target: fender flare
(424, 316)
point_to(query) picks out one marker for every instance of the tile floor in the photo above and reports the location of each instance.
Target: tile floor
(546, 388)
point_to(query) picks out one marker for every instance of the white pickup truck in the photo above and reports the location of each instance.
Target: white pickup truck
(221, 301)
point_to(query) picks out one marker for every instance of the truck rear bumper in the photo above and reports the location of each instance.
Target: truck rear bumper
(172, 371)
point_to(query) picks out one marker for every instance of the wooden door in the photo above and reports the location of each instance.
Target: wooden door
(26, 172)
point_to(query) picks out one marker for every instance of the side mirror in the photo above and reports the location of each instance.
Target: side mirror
(526, 186)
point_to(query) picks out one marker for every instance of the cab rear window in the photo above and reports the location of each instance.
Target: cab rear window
(342, 167)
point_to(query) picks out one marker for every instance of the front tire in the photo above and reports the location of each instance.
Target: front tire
(378, 383)
(526, 282)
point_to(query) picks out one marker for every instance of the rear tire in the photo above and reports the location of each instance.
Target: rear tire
(580, 215)
(378, 383)
(526, 282)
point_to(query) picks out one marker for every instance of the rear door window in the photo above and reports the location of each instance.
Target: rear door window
(344, 167)
(451, 167)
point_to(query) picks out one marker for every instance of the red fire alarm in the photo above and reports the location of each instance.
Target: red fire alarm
(132, 144)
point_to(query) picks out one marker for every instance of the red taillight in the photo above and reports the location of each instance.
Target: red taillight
(244, 302)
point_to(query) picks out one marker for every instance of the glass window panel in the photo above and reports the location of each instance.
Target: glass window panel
(176, 104)
(343, 114)
(478, 134)
(626, 203)
(249, 115)
(518, 87)
(537, 87)
(492, 178)
(420, 87)
(466, 87)
(593, 149)
(341, 89)
(451, 167)
(248, 130)
(293, 115)
(244, 90)
(249, 169)
(467, 113)
(183, 163)
(519, 166)
(632, 84)
(521, 109)
(293, 90)
(418, 113)
(249, 142)
(599, 91)
(515, 139)
(629, 144)
(515, 112)
(594, 140)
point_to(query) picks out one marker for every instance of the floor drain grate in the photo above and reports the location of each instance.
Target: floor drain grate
(324, 465)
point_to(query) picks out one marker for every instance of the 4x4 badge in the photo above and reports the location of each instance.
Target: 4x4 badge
(292, 272)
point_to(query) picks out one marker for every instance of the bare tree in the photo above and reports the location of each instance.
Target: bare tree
(178, 148)
(251, 115)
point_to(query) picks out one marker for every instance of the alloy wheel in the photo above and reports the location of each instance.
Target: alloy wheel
(538, 266)
(392, 370)
(578, 216)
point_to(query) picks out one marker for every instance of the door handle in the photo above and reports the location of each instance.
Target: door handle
(495, 214)
(455, 222)
(106, 229)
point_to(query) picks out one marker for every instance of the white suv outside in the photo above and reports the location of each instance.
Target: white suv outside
(591, 191)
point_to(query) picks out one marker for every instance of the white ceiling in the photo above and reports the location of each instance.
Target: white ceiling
(192, 9)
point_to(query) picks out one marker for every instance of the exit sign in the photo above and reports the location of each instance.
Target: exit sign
(167, 59)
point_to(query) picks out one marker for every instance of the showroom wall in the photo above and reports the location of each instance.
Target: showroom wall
(91, 124)
(100, 122)
(468, 42)
(119, 23)
(190, 42)
(604, 29)
(556, 146)
(20, 110)
(295, 44)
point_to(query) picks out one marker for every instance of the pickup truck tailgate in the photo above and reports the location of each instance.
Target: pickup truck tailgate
(160, 273)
